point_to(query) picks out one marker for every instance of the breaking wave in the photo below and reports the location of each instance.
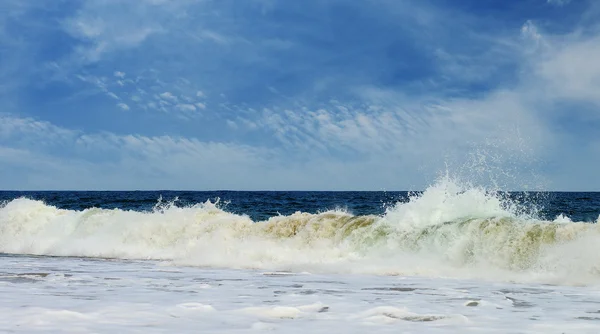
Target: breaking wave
(449, 230)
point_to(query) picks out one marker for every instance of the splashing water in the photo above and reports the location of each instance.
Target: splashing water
(448, 230)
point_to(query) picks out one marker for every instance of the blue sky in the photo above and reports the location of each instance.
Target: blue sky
(313, 94)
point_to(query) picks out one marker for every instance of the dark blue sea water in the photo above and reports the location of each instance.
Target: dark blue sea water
(260, 205)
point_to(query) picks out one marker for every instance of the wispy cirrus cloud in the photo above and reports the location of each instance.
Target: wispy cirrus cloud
(184, 162)
(558, 2)
(111, 161)
(103, 29)
(146, 92)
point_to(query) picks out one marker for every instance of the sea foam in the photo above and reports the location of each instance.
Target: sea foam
(448, 230)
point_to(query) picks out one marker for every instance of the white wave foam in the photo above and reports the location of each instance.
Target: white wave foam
(449, 230)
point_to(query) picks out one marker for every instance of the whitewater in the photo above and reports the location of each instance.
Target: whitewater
(453, 258)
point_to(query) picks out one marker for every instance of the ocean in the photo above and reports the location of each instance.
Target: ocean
(450, 259)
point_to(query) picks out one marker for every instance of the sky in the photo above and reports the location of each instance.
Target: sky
(299, 95)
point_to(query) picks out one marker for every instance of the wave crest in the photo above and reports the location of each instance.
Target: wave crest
(449, 230)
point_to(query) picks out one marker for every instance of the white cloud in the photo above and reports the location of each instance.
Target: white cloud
(180, 102)
(388, 130)
(122, 161)
(110, 161)
(168, 96)
(16, 129)
(211, 36)
(186, 107)
(559, 2)
(530, 31)
(113, 95)
(110, 26)
(232, 124)
(570, 70)
(123, 106)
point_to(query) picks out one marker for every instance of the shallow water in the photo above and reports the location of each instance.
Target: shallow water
(54, 294)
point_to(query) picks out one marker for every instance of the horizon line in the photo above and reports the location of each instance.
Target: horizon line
(297, 190)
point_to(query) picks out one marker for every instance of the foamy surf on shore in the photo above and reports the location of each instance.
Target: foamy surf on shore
(62, 294)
